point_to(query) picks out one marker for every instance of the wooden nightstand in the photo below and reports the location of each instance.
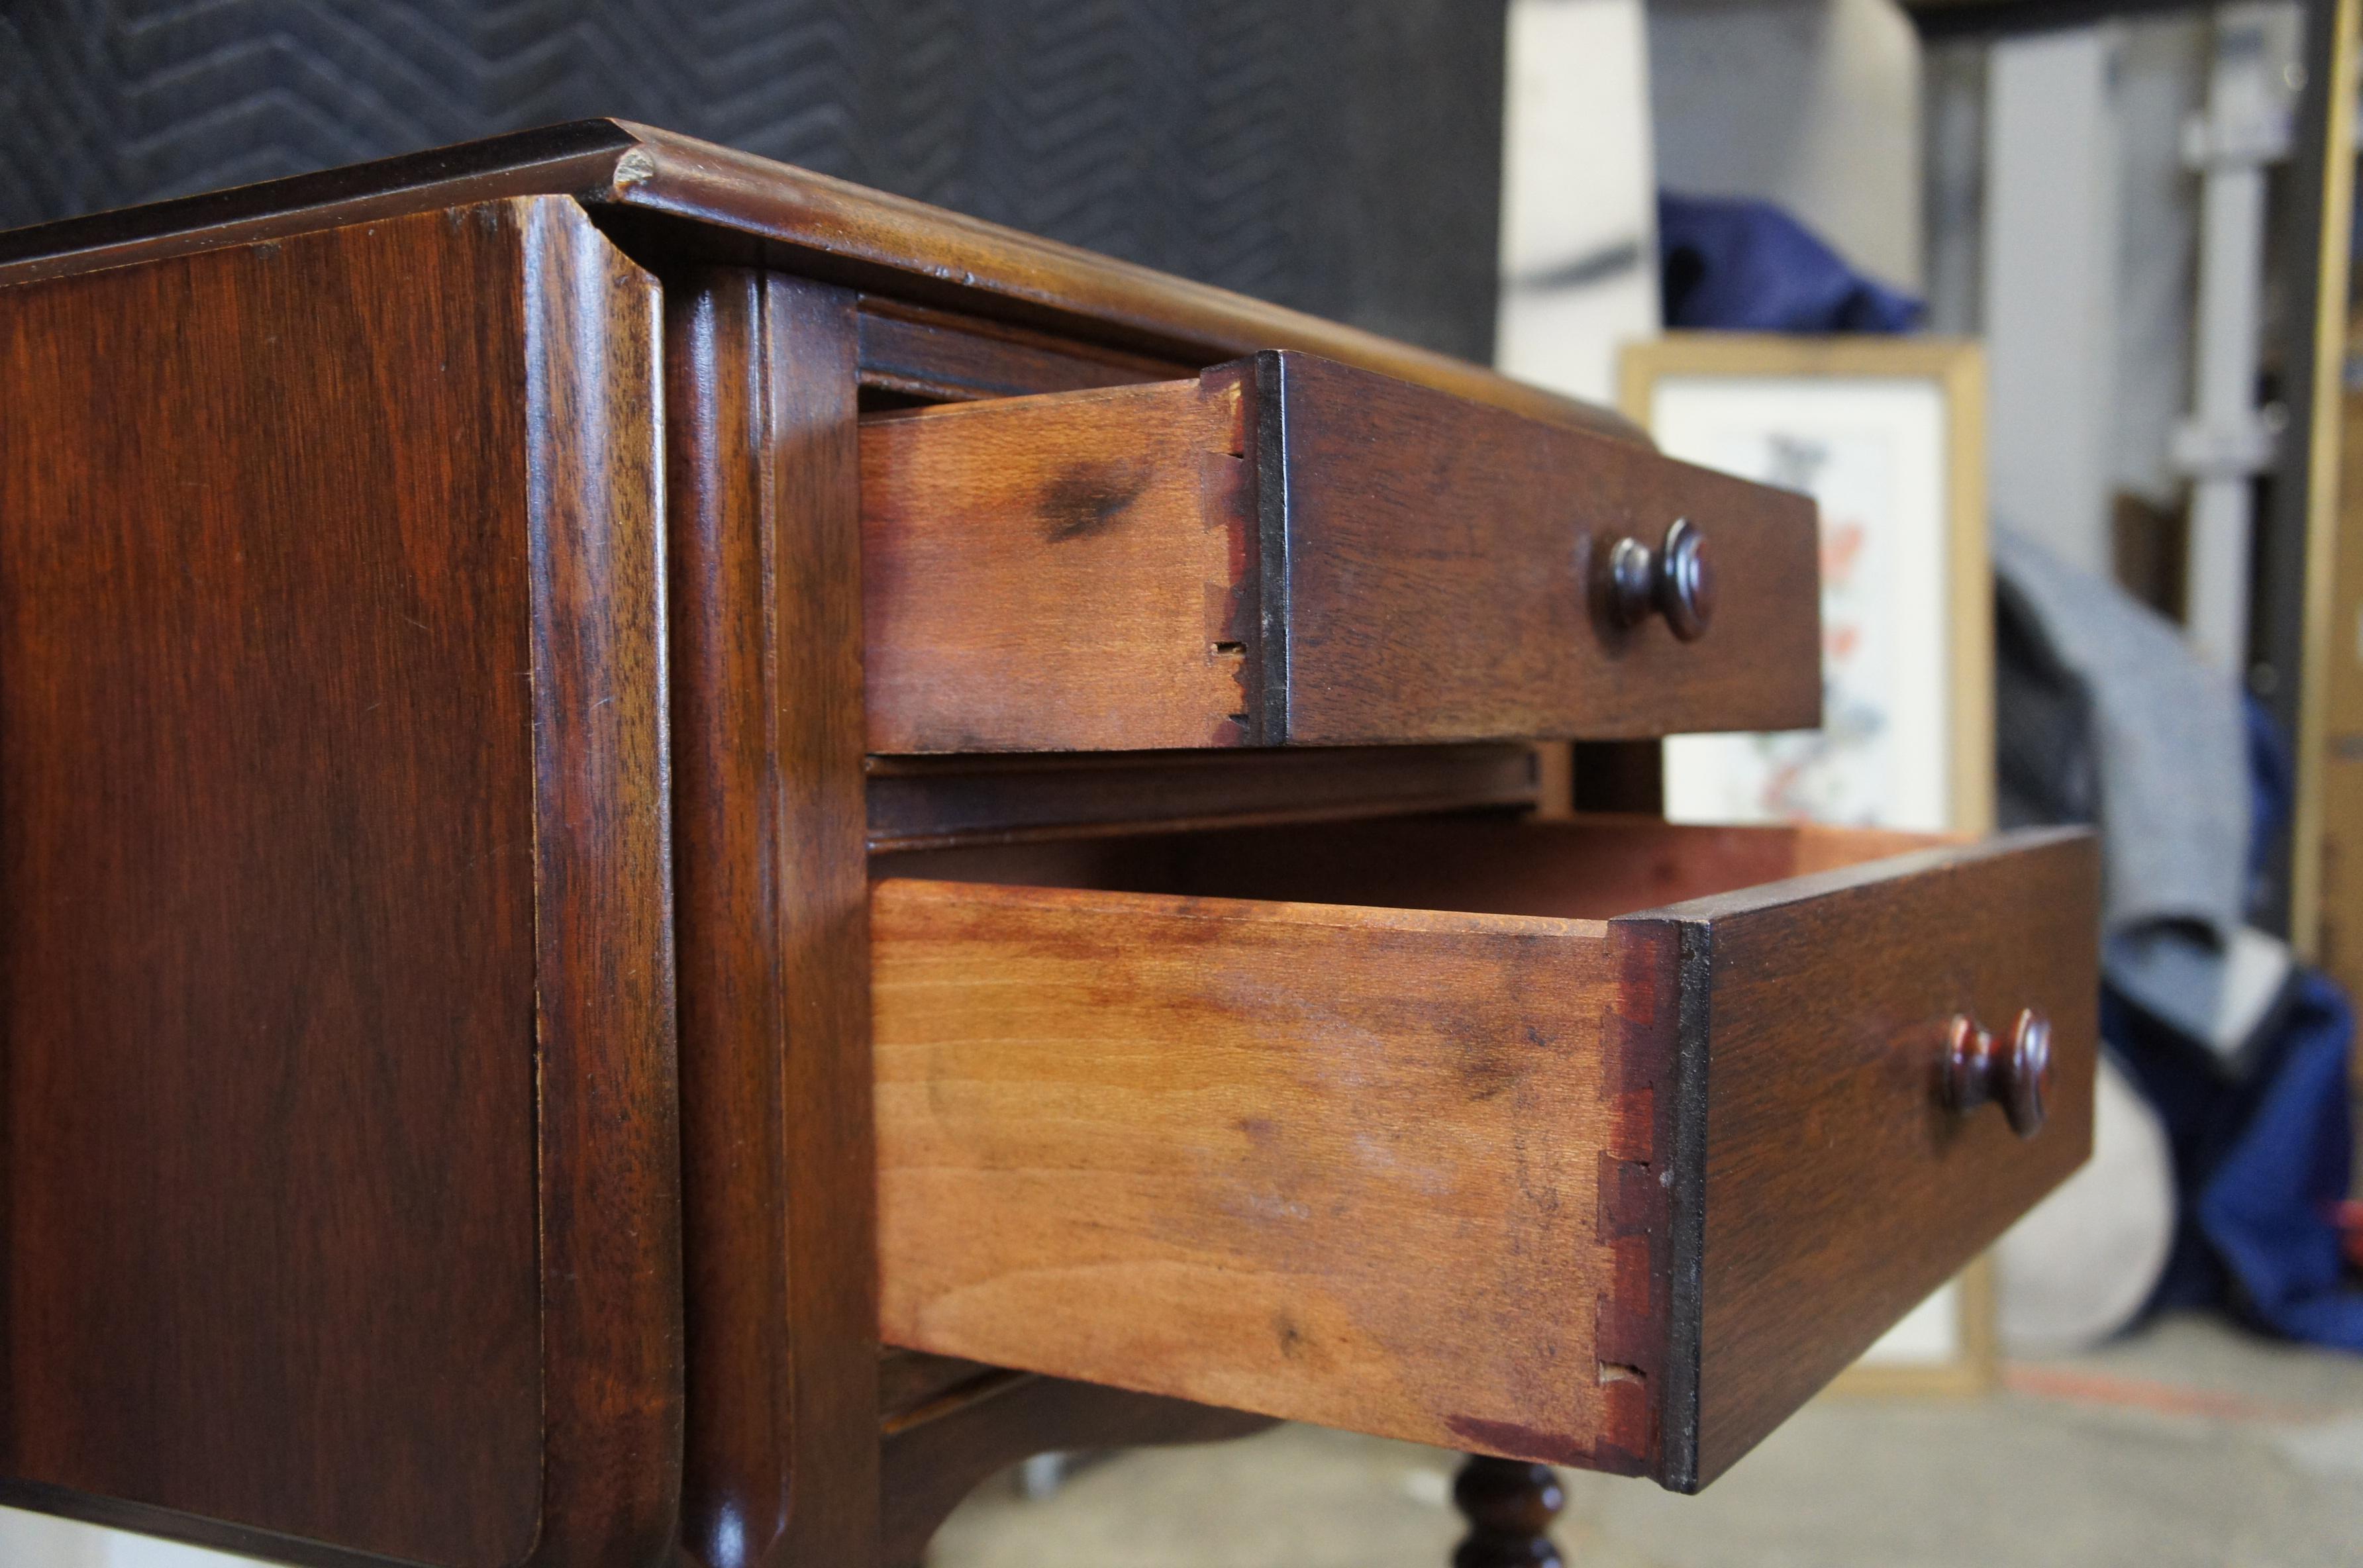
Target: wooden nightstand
(692, 853)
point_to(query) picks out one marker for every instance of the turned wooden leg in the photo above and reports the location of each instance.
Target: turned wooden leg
(1509, 1505)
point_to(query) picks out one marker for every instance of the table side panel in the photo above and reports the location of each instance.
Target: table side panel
(295, 679)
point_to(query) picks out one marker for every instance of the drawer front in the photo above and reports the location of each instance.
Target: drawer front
(1291, 551)
(1540, 1170)
(1834, 1190)
(1435, 569)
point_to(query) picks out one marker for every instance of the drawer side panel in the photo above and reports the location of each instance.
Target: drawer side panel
(1066, 572)
(1342, 1166)
(337, 1174)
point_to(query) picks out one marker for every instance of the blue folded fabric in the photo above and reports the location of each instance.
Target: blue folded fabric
(2270, 1207)
(1739, 265)
(2262, 1156)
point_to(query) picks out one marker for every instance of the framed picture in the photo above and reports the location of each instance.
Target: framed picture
(1888, 435)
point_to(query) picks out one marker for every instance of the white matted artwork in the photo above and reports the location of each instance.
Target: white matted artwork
(1871, 453)
(1886, 435)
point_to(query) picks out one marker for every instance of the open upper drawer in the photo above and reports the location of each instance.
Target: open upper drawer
(1291, 551)
(1603, 1143)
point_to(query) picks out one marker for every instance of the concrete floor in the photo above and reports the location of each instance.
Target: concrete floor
(2189, 1443)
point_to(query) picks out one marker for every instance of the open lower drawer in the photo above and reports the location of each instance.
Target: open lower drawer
(1603, 1142)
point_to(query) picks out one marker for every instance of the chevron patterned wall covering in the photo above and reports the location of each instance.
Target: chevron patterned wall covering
(1341, 156)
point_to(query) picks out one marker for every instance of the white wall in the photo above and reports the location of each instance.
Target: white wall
(2051, 287)
(1578, 203)
(2056, 173)
(1814, 104)
(2161, 80)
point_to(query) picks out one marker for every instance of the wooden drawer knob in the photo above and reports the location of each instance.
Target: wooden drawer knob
(2017, 1076)
(1676, 580)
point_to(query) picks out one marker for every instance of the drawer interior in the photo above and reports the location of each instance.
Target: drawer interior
(1590, 868)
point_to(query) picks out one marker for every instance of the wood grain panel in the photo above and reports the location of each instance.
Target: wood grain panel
(812, 468)
(782, 1314)
(608, 1109)
(726, 792)
(1334, 1165)
(331, 738)
(1057, 573)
